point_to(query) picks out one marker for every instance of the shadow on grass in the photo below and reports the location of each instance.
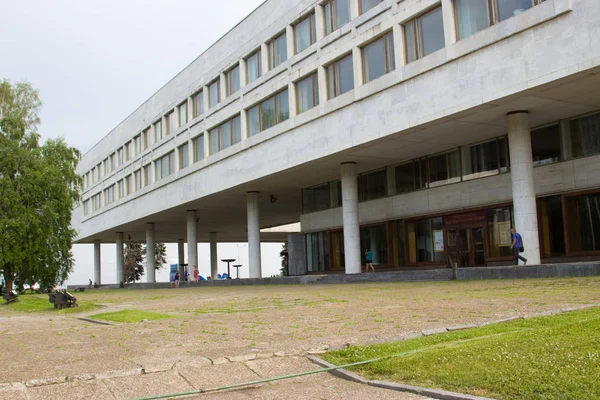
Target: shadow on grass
(38, 303)
(130, 316)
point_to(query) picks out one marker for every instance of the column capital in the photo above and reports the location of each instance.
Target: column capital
(97, 241)
(348, 162)
(517, 112)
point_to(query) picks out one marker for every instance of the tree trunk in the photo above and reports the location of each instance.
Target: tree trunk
(8, 277)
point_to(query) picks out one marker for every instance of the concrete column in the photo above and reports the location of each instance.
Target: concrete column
(289, 37)
(358, 67)
(320, 22)
(523, 188)
(120, 275)
(322, 84)
(150, 266)
(244, 124)
(354, 9)
(205, 99)
(449, 22)
(97, 263)
(190, 108)
(254, 235)
(223, 87)
(264, 55)
(243, 73)
(163, 125)
(398, 34)
(214, 257)
(293, 105)
(350, 218)
(181, 259)
(192, 240)
(206, 145)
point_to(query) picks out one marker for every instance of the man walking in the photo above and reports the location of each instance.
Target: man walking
(517, 247)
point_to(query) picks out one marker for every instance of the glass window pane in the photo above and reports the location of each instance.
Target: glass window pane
(198, 104)
(306, 94)
(253, 121)
(366, 5)
(444, 168)
(303, 34)
(316, 198)
(213, 93)
(545, 145)
(510, 8)
(585, 135)
(253, 67)
(480, 160)
(432, 31)
(268, 113)
(342, 13)
(405, 178)
(214, 140)
(551, 227)
(374, 60)
(283, 106)
(583, 221)
(278, 49)
(471, 16)
(236, 129)
(411, 41)
(225, 135)
(328, 20)
(331, 81)
(346, 74)
(199, 148)
(372, 185)
(233, 81)
(499, 222)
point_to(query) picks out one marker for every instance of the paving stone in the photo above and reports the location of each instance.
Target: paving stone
(218, 375)
(12, 394)
(434, 331)
(461, 327)
(160, 383)
(243, 358)
(276, 367)
(72, 390)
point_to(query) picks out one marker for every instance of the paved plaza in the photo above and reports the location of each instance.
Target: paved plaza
(227, 335)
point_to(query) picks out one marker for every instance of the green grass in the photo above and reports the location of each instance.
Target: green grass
(38, 303)
(129, 316)
(556, 357)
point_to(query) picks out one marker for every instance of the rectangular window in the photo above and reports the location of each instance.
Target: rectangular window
(164, 166)
(444, 168)
(337, 14)
(225, 135)
(86, 207)
(277, 51)
(340, 77)
(305, 33)
(499, 222)
(214, 96)
(96, 202)
(183, 114)
(146, 139)
(232, 79)
(484, 159)
(378, 57)
(106, 167)
(424, 35)
(374, 239)
(474, 16)
(198, 103)
(317, 251)
(411, 176)
(147, 174)
(316, 198)
(121, 189)
(158, 131)
(120, 156)
(551, 227)
(372, 185)
(366, 5)
(585, 135)
(127, 185)
(184, 156)
(137, 180)
(421, 237)
(253, 69)
(137, 144)
(545, 145)
(198, 144)
(583, 222)
(269, 113)
(170, 123)
(112, 162)
(307, 92)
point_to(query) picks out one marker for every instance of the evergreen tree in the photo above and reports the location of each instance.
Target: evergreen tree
(284, 260)
(133, 267)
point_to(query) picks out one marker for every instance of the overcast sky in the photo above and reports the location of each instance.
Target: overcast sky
(96, 61)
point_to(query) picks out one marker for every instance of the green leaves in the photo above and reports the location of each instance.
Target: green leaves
(39, 189)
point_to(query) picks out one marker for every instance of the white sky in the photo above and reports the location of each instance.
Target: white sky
(96, 61)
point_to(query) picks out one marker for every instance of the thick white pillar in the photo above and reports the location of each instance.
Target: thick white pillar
(97, 263)
(449, 22)
(181, 259)
(350, 218)
(150, 259)
(253, 235)
(192, 239)
(523, 188)
(120, 276)
(214, 257)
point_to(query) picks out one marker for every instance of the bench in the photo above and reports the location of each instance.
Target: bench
(10, 296)
(62, 299)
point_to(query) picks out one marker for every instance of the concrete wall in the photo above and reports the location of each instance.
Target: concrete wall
(296, 255)
(572, 175)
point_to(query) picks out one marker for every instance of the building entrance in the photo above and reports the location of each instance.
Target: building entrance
(465, 239)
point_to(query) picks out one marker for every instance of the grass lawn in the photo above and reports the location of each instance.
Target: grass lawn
(129, 316)
(34, 303)
(555, 357)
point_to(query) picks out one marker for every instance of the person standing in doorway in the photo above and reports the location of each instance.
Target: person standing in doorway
(196, 274)
(176, 279)
(369, 260)
(517, 247)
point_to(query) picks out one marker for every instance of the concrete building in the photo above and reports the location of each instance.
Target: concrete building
(420, 130)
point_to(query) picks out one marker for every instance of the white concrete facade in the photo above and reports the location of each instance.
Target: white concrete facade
(545, 60)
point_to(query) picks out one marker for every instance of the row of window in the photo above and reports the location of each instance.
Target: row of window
(464, 163)
(423, 35)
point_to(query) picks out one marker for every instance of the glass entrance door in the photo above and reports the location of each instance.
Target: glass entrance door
(466, 246)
